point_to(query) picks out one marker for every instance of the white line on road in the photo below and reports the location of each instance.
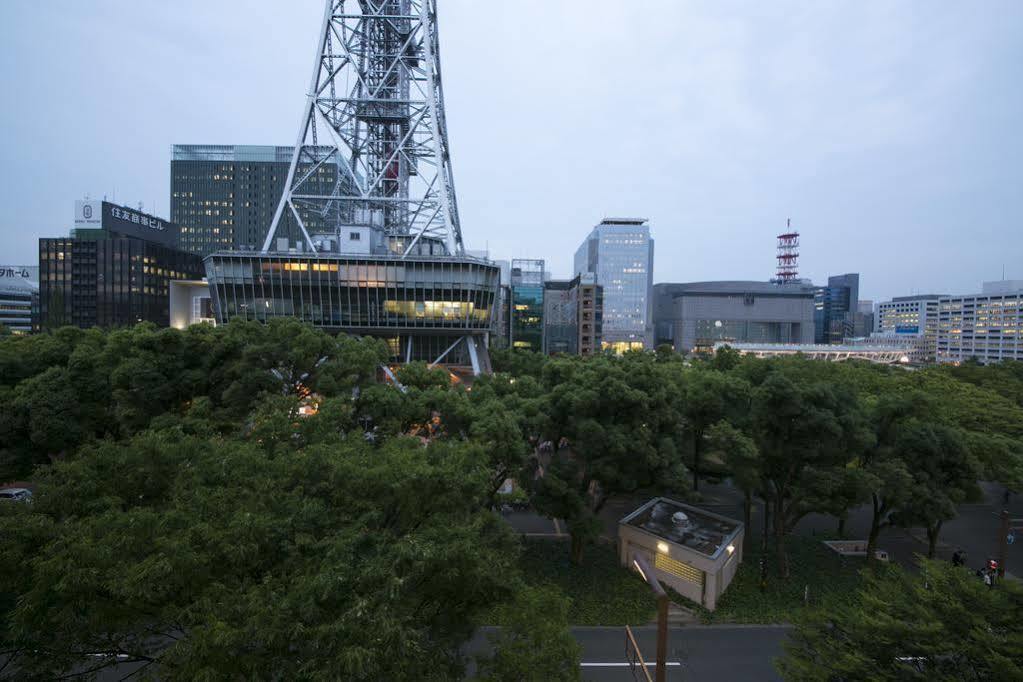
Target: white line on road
(621, 665)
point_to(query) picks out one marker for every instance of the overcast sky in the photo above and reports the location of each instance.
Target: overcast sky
(889, 132)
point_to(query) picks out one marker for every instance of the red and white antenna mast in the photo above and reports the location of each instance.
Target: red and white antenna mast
(788, 255)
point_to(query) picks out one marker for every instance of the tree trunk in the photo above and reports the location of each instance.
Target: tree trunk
(747, 516)
(577, 549)
(697, 438)
(932, 538)
(875, 530)
(779, 538)
(767, 526)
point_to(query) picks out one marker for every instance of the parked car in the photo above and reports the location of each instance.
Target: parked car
(16, 495)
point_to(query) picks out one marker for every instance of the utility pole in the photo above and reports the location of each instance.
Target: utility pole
(662, 615)
(1003, 543)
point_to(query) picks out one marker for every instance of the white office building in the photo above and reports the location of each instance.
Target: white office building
(620, 254)
(19, 297)
(985, 326)
(910, 317)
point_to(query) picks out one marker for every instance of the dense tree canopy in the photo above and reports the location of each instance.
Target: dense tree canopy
(257, 501)
(940, 624)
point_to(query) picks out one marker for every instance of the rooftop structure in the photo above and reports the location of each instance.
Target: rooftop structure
(695, 551)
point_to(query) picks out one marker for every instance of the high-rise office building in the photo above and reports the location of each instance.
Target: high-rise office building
(526, 319)
(114, 270)
(572, 315)
(986, 327)
(620, 254)
(224, 196)
(910, 317)
(696, 315)
(835, 308)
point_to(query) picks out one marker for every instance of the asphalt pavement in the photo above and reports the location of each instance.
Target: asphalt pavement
(723, 653)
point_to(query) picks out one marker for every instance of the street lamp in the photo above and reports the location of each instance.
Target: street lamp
(662, 613)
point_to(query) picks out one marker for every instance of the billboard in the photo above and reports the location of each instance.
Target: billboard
(128, 222)
(122, 221)
(88, 215)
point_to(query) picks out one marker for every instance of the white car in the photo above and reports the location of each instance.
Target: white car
(16, 495)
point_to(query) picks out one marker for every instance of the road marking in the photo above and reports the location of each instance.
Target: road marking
(621, 665)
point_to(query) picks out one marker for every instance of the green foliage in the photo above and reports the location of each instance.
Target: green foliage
(807, 435)
(599, 592)
(60, 391)
(216, 559)
(619, 420)
(534, 644)
(939, 624)
(831, 578)
(518, 362)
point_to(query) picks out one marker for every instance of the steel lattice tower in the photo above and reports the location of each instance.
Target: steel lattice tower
(375, 110)
(788, 255)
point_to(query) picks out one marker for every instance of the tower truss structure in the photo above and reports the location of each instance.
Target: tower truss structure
(788, 256)
(375, 110)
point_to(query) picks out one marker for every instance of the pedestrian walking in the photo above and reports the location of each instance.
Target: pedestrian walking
(957, 558)
(989, 579)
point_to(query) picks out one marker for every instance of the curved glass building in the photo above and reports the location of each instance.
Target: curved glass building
(422, 305)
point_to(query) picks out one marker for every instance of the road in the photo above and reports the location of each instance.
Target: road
(724, 653)
(720, 653)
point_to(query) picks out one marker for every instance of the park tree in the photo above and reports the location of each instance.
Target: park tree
(215, 559)
(518, 362)
(806, 435)
(943, 475)
(611, 428)
(887, 474)
(504, 416)
(939, 624)
(710, 397)
(534, 644)
(740, 456)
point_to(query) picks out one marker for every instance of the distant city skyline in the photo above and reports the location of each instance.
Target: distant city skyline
(887, 133)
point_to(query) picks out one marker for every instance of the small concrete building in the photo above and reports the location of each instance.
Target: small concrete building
(693, 551)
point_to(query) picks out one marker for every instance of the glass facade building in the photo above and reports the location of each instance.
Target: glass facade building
(526, 319)
(835, 309)
(224, 196)
(109, 282)
(620, 254)
(420, 305)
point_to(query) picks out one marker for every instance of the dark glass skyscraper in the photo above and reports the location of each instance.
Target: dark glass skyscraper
(835, 308)
(115, 270)
(224, 196)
